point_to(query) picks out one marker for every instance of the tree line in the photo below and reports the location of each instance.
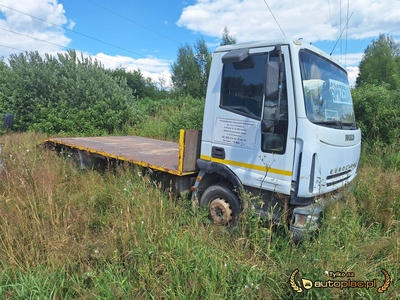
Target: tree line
(77, 95)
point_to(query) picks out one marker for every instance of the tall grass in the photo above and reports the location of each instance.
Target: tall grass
(72, 234)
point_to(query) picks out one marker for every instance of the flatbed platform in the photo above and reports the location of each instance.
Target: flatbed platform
(173, 158)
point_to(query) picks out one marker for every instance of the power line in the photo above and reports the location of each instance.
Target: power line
(347, 32)
(136, 23)
(330, 19)
(347, 23)
(340, 22)
(73, 31)
(31, 37)
(4, 46)
(275, 18)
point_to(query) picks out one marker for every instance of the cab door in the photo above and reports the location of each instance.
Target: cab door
(254, 133)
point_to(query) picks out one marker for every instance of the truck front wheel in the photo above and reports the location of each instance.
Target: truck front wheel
(222, 204)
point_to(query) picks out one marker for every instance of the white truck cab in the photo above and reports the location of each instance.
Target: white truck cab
(278, 123)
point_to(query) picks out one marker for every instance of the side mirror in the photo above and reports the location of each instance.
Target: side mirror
(239, 58)
(272, 80)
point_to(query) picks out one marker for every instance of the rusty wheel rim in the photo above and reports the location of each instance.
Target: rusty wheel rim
(220, 211)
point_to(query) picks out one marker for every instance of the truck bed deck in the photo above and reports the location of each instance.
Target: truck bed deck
(174, 158)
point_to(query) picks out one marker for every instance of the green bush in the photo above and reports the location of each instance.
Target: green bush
(64, 94)
(377, 109)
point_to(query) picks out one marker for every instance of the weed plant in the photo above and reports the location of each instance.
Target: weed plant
(72, 234)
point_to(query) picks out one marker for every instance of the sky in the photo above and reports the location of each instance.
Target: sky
(145, 34)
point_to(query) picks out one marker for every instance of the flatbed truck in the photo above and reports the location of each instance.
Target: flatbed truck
(278, 125)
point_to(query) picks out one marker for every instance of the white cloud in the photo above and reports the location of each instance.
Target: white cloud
(311, 20)
(352, 74)
(22, 28)
(150, 67)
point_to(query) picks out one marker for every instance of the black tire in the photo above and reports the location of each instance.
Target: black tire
(222, 204)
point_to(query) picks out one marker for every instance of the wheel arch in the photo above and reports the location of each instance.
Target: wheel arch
(213, 172)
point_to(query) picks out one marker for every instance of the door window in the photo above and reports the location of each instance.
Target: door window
(242, 92)
(242, 86)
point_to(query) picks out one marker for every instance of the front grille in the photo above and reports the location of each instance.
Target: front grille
(337, 178)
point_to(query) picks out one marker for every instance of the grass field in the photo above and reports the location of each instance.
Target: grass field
(72, 234)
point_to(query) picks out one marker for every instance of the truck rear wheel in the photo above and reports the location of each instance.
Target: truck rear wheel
(222, 204)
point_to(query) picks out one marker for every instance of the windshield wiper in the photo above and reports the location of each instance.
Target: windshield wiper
(352, 125)
(330, 123)
(339, 124)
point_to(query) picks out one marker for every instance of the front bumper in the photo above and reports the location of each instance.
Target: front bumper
(306, 219)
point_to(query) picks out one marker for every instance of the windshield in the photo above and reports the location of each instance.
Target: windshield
(326, 92)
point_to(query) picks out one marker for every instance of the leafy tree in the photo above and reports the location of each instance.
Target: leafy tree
(203, 59)
(381, 63)
(141, 87)
(65, 94)
(227, 39)
(191, 68)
